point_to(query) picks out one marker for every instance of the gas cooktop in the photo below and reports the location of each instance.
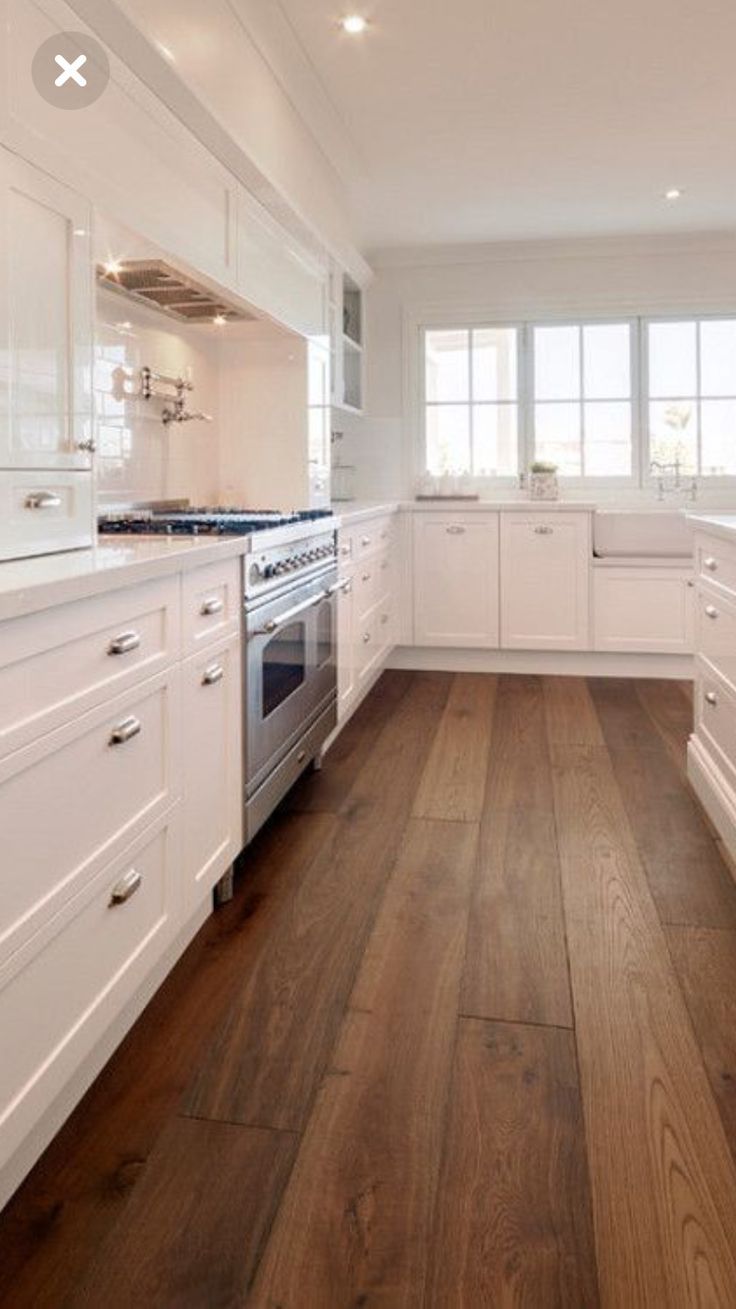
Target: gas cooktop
(202, 521)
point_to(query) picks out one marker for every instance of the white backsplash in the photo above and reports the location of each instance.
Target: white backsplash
(138, 457)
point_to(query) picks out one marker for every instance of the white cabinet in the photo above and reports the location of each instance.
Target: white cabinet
(545, 564)
(643, 609)
(346, 631)
(365, 608)
(456, 579)
(45, 321)
(211, 753)
(347, 341)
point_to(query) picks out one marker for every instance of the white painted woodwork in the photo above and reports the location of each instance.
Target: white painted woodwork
(45, 322)
(318, 422)
(456, 579)
(715, 630)
(715, 561)
(56, 1002)
(715, 718)
(211, 705)
(73, 798)
(366, 607)
(57, 664)
(278, 276)
(212, 598)
(545, 563)
(62, 520)
(346, 633)
(645, 609)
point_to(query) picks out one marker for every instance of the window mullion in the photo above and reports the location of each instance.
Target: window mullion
(581, 401)
(698, 403)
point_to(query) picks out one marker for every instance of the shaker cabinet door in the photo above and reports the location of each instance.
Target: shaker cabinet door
(456, 580)
(45, 321)
(545, 561)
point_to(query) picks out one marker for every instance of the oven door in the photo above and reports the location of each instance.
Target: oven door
(290, 671)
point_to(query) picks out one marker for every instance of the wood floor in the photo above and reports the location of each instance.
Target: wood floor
(466, 1036)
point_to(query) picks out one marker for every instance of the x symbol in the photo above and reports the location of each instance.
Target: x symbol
(70, 70)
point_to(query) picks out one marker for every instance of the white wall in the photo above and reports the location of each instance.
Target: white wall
(512, 282)
(138, 458)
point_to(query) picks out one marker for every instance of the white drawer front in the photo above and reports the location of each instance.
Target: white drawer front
(715, 718)
(70, 801)
(372, 535)
(57, 664)
(716, 631)
(41, 512)
(90, 959)
(371, 581)
(715, 562)
(212, 599)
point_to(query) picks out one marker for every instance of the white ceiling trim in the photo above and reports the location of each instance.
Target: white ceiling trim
(614, 247)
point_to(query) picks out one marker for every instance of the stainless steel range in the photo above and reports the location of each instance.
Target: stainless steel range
(290, 665)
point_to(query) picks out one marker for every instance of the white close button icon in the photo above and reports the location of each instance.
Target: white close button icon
(70, 70)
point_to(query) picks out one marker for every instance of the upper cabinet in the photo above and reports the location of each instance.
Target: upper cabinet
(277, 275)
(45, 321)
(346, 341)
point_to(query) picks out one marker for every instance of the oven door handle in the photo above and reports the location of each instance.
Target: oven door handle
(284, 619)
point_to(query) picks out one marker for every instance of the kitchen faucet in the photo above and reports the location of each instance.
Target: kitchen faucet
(675, 467)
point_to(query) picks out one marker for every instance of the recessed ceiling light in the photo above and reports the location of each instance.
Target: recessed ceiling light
(80, 231)
(220, 320)
(673, 194)
(166, 52)
(354, 24)
(113, 267)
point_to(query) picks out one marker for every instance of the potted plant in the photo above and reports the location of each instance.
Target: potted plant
(543, 484)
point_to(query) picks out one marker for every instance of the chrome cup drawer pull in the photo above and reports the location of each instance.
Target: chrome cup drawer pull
(213, 674)
(126, 887)
(125, 731)
(543, 530)
(124, 643)
(43, 500)
(711, 611)
(212, 606)
(710, 563)
(711, 697)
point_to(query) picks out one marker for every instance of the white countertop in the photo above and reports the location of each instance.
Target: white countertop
(354, 511)
(718, 524)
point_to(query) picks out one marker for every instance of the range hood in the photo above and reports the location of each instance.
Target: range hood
(157, 284)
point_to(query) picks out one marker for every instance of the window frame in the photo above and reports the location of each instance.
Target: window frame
(641, 477)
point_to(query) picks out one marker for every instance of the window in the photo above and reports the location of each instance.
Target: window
(471, 401)
(582, 398)
(692, 395)
(602, 400)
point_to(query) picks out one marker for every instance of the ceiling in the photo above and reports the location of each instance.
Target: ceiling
(480, 120)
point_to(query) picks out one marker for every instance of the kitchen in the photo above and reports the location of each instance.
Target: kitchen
(367, 688)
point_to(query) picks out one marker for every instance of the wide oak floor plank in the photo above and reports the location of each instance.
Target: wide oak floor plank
(516, 961)
(453, 781)
(268, 1055)
(355, 1224)
(705, 963)
(55, 1222)
(513, 1219)
(518, 768)
(570, 713)
(192, 1233)
(671, 711)
(663, 1182)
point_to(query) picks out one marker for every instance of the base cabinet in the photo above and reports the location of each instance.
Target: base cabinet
(456, 579)
(545, 560)
(649, 610)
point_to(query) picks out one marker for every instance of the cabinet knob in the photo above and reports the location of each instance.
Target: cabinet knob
(711, 697)
(43, 500)
(126, 887)
(125, 731)
(124, 643)
(366, 577)
(711, 611)
(366, 638)
(213, 605)
(213, 674)
(710, 563)
(365, 540)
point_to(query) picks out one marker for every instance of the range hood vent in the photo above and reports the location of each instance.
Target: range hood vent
(155, 283)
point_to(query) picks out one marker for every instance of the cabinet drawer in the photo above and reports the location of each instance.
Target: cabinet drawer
(212, 598)
(715, 718)
(375, 534)
(59, 995)
(57, 664)
(42, 512)
(71, 800)
(371, 582)
(715, 562)
(716, 631)
(373, 639)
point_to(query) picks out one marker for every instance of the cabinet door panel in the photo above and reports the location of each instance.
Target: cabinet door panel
(278, 277)
(456, 580)
(545, 581)
(45, 321)
(643, 609)
(212, 768)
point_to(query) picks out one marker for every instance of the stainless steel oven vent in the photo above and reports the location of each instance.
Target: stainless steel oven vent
(155, 283)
